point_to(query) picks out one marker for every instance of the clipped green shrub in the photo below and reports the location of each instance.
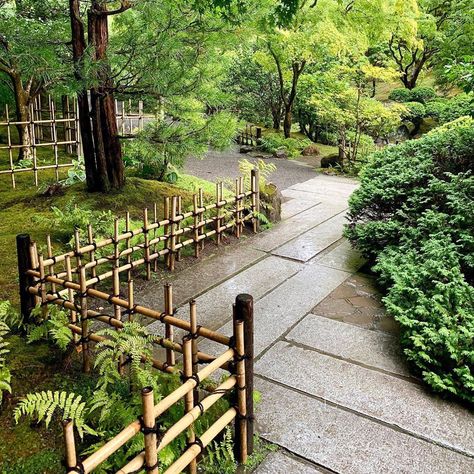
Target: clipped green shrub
(412, 216)
(418, 94)
(292, 146)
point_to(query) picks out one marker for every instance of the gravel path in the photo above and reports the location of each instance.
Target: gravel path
(218, 164)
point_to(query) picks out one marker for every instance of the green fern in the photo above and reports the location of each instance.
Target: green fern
(220, 455)
(5, 375)
(43, 405)
(53, 326)
(10, 316)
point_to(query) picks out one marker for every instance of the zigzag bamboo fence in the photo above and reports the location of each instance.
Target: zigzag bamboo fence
(69, 280)
(55, 129)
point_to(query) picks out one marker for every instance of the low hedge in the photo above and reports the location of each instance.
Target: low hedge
(413, 217)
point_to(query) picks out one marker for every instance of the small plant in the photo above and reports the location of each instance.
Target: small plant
(43, 405)
(75, 174)
(51, 325)
(220, 455)
(5, 375)
(273, 142)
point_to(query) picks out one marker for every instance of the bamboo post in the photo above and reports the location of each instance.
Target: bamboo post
(237, 208)
(131, 300)
(169, 330)
(255, 188)
(178, 227)
(70, 292)
(9, 143)
(155, 246)
(244, 312)
(240, 445)
(33, 147)
(189, 397)
(201, 205)
(127, 244)
(90, 237)
(50, 255)
(166, 229)
(34, 263)
(196, 225)
(194, 343)
(123, 118)
(218, 215)
(54, 137)
(146, 244)
(86, 364)
(77, 125)
(71, 456)
(151, 452)
(27, 300)
(140, 115)
(171, 261)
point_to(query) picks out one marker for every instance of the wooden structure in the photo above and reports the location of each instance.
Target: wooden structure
(250, 135)
(56, 131)
(70, 280)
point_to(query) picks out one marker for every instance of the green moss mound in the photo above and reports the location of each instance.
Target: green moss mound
(413, 216)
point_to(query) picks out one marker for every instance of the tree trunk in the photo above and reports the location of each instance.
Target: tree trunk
(98, 124)
(276, 116)
(23, 115)
(287, 120)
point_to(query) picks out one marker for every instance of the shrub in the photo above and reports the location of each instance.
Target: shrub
(418, 94)
(412, 215)
(293, 146)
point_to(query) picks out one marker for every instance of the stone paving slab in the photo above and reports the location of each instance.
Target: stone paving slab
(281, 463)
(343, 257)
(305, 196)
(214, 307)
(295, 206)
(212, 270)
(314, 241)
(296, 225)
(371, 348)
(382, 397)
(345, 442)
(280, 309)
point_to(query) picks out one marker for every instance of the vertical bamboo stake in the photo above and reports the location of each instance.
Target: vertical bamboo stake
(189, 398)
(244, 312)
(116, 292)
(146, 244)
(70, 293)
(237, 208)
(155, 246)
(178, 227)
(196, 226)
(167, 244)
(78, 131)
(34, 264)
(194, 343)
(71, 456)
(202, 215)
(123, 118)
(42, 285)
(50, 255)
(151, 452)
(131, 300)
(90, 237)
(33, 146)
(241, 420)
(241, 204)
(174, 203)
(218, 215)
(140, 115)
(127, 244)
(86, 364)
(9, 142)
(54, 137)
(169, 331)
(255, 188)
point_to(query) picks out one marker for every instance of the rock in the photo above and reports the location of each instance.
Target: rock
(55, 189)
(330, 161)
(311, 150)
(246, 149)
(271, 198)
(280, 153)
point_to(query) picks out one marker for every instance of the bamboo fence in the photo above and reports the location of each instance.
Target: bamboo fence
(55, 129)
(250, 135)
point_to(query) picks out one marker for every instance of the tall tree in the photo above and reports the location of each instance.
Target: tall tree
(33, 54)
(97, 117)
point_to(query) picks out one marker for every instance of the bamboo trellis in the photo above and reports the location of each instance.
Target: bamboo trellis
(55, 129)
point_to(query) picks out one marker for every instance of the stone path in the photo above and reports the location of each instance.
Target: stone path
(336, 393)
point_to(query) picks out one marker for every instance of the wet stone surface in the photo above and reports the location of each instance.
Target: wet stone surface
(358, 301)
